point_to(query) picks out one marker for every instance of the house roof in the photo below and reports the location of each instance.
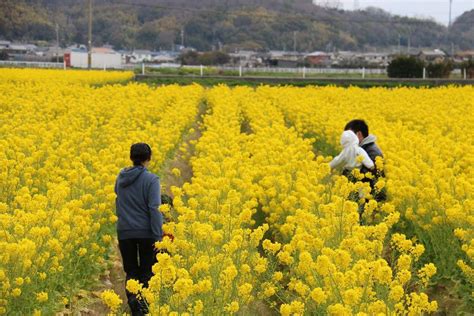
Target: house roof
(468, 53)
(165, 53)
(316, 54)
(436, 52)
(18, 47)
(346, 53)
(279, 53)
(374, 55)
(142, 52)
(103, 50)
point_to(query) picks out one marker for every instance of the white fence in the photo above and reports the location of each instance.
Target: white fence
(240, 71)
(372, 71)
(301, 71)
(30, 64)
(38, 64)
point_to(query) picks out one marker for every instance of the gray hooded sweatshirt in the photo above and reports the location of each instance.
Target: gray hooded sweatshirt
(369, 145)
(137, 204)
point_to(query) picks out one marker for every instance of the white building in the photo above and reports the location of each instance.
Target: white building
(101, 58)
(4, 44)
(164, 57)
(141, 56)
(375, 59)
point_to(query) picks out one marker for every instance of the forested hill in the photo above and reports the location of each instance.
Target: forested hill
(231, 24)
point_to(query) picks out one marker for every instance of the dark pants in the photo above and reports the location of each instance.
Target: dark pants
(138, 257)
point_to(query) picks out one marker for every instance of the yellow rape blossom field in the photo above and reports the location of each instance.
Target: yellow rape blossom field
(262, 226)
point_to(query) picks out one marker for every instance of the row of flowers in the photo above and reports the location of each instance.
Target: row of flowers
(264, 225)
(426, 136)
(63, 146)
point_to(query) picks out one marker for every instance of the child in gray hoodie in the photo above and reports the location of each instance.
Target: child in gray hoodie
(140, 223)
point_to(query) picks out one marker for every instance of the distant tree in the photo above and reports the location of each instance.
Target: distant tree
(147, 36)
(469, 68)
(41, 31)
(462, 31)
(244, 24)
(189, 58)
(213, 58)
(206, 58)
(439, 70)
(3, 55)
(405, 67)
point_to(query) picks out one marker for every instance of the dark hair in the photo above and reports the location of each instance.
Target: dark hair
(358, 126)
(166, 199)
(139, 153)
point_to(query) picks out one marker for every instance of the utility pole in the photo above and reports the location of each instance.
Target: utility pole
(399, 44)
(356, 5)
(182, 37)
(57, 43)
(409, 40)
(450, 12)
(294, 41)
(89, 53)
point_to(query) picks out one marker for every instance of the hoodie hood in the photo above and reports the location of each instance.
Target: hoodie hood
(348, 139)
(350, 144)
(368, 140)
(129, 175)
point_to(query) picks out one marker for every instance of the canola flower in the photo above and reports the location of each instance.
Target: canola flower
(262, 221)
(112, 300)
(213, 263)
(317, 258)
(62, 146)
(331, 263)
(30, 76)
(426, 136)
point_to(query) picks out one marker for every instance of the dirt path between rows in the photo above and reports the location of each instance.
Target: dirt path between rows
(90, 304)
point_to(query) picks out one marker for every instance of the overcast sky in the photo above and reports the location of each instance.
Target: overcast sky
(438, 9)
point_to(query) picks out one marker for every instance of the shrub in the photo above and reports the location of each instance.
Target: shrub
(439, 70)
(405, 67)
(206, 58)
(3, 55)
(469, 66)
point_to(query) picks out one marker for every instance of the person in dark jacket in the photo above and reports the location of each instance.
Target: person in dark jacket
(368, 143)
(140, 222)
(366, 140)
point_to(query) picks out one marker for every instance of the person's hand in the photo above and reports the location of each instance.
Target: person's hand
(169, 235)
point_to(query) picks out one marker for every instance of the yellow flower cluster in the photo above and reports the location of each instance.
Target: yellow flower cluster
(257, 186)
(426, 136)
(112, 300)
(330, 263)
(30, 76)
(61, 149)
(263, 220)
(213, 263)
